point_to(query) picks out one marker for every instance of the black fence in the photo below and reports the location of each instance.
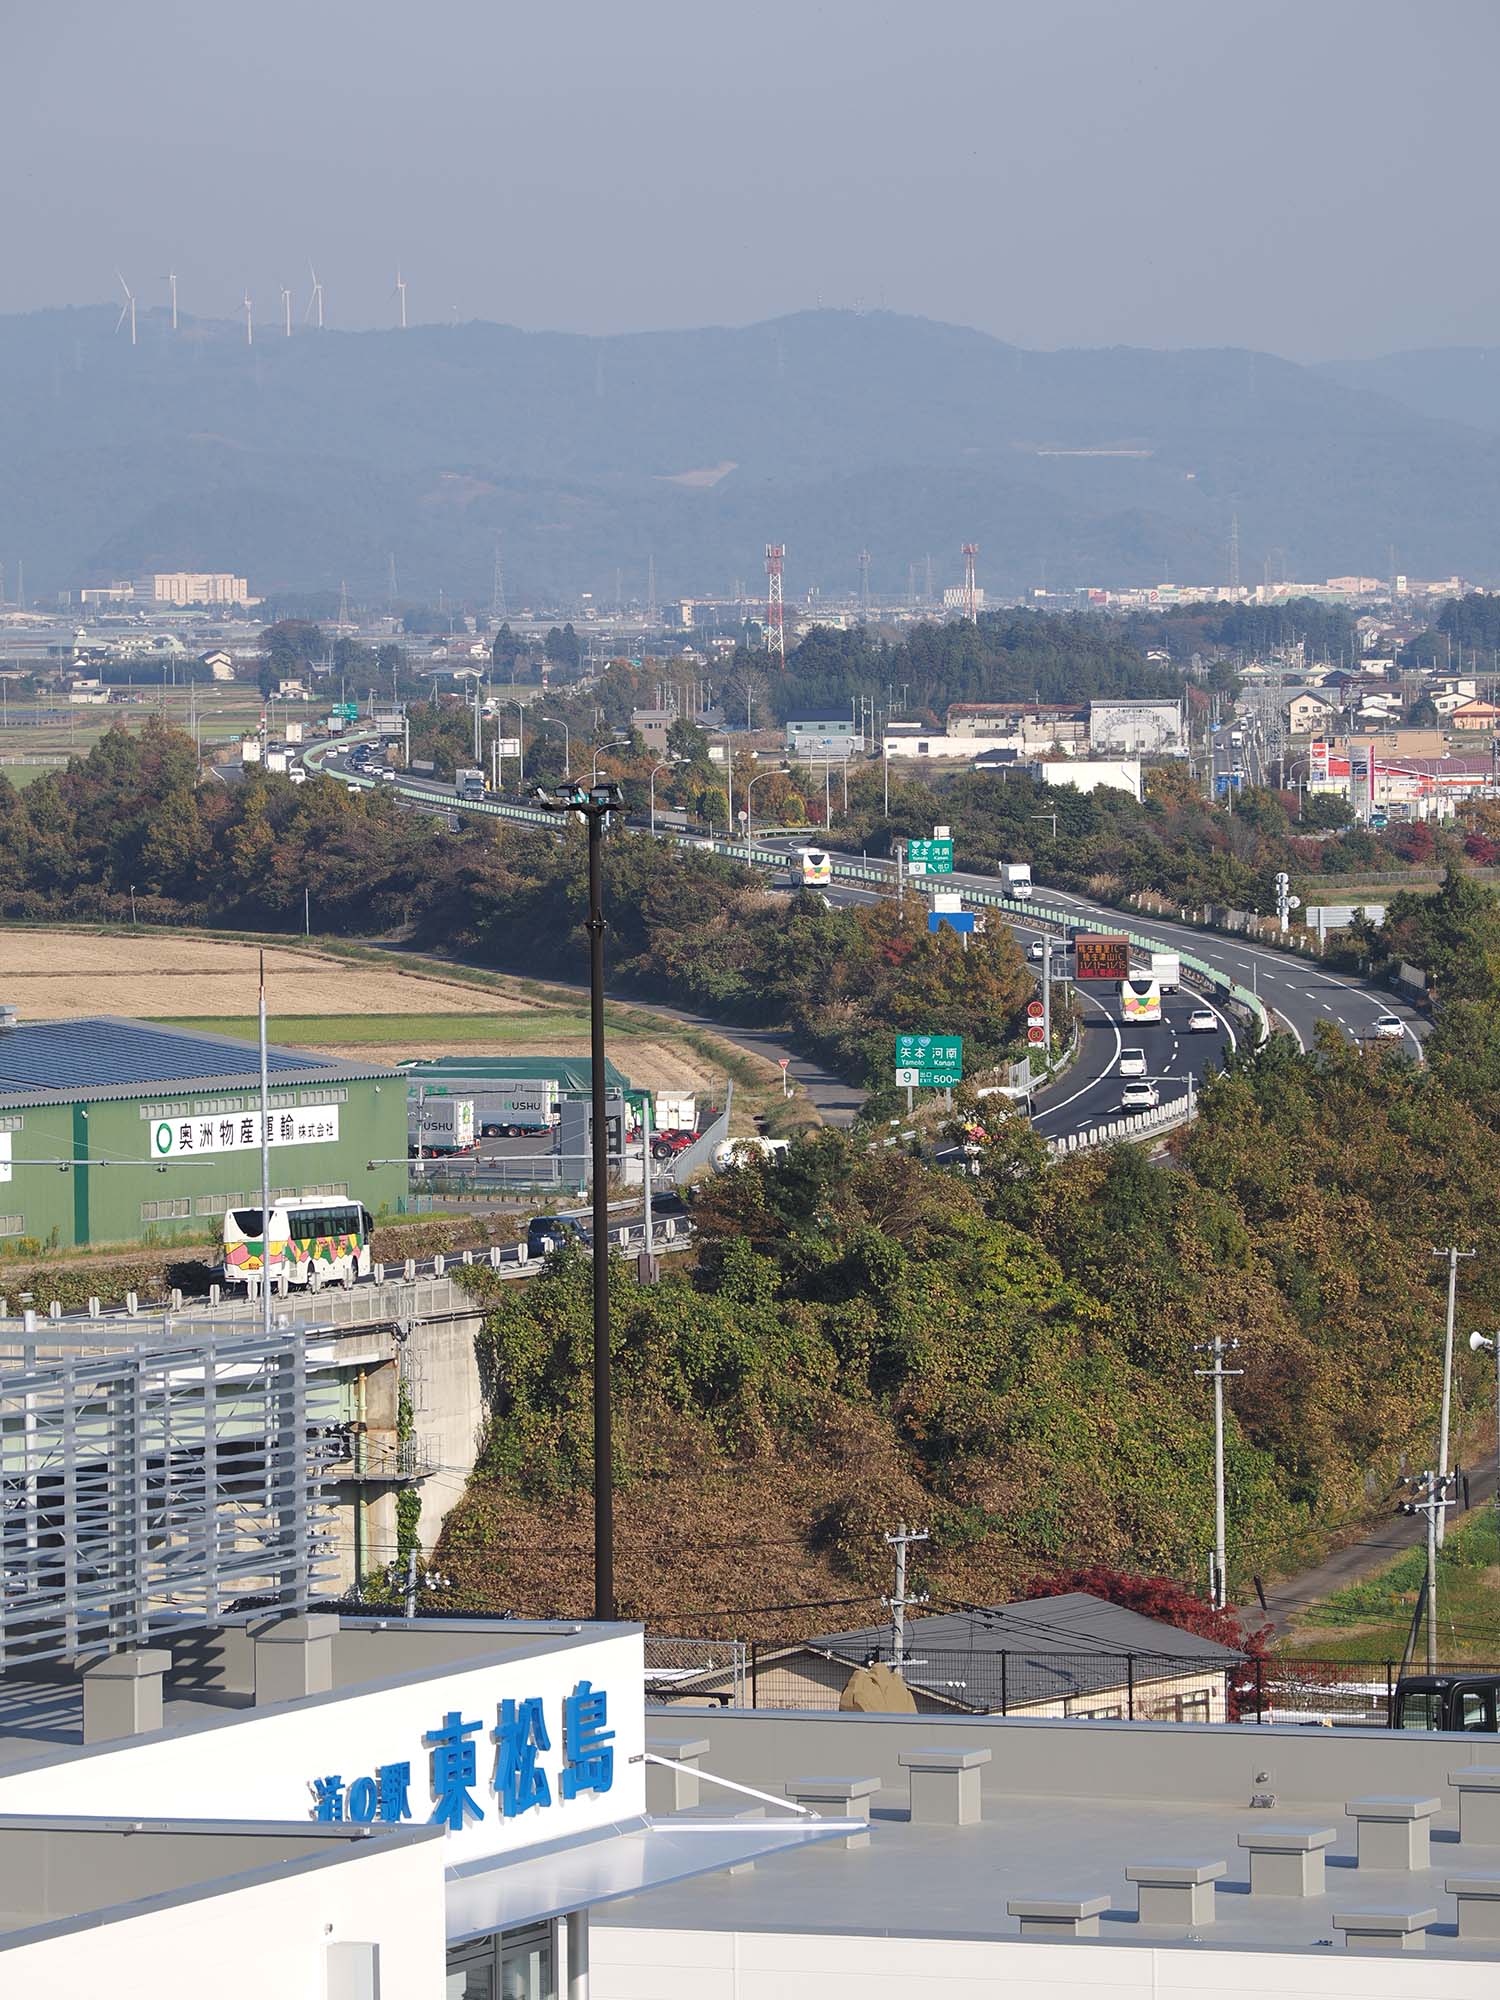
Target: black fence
(1090, 1686)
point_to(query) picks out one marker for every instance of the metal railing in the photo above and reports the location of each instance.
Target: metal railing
(1084, 1686)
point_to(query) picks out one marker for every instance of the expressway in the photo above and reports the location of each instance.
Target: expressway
(1298, 993)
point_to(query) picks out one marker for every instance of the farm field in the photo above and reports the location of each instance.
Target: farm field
(360, 1004)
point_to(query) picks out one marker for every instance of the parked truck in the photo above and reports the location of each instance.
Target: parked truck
(439, 1125)
(675, 1111)
(519, 1114)
(1015, 879)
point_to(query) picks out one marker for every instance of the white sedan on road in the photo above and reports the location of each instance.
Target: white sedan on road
(1132, 1062)
(1140, 1096)
(1388, 1028)
(1202, 1021)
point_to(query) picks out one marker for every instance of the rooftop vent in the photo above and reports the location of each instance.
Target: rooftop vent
(8, 1019)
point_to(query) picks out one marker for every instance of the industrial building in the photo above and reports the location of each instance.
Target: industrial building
(115, 1131)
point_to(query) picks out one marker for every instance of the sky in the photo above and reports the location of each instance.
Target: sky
(1310, 177)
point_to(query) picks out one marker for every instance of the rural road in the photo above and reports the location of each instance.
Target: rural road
(1287, 1600)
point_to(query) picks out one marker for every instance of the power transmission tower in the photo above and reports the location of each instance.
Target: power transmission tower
(864, 584)
(343, 604)
(1218, 1347)
(971, 594)
(391, 591)
(497, 588)
(651, 590)
(898, 1600)
(1234, 552)
(1453, 1254)
(775, 627)
(929, 579)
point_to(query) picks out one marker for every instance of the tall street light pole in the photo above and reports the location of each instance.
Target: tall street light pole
(594, 807)
(558, 723)
(654, 775)
(1453, 1254)
(1476, 1342)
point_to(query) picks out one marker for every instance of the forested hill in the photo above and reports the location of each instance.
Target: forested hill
(302, 462)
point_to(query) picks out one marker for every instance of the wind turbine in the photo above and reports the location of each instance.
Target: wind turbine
(401, 294)
(249, 322)
(127, 308)
(172, 281)
(315, 303)
(286, 306)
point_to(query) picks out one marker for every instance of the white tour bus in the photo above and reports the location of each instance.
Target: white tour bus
(314, 1242)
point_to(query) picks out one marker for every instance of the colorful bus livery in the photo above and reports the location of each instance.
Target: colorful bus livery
(313, 1243)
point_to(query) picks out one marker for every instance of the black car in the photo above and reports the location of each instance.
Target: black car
(1462, 1702)
(546, 1233)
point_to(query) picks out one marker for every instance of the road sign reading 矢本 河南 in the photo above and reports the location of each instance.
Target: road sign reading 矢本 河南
(929, 1061)
(929, 857)
(1101, 955)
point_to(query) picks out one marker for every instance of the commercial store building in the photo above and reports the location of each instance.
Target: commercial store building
(113, 1130)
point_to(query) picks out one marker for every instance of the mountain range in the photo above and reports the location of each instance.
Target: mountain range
(307, 461)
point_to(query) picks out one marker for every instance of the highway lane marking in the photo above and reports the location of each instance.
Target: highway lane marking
(1093, 1081)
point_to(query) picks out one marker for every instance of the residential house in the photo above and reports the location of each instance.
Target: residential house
(1070, 1655)
(1479, 715)
(1307, 712)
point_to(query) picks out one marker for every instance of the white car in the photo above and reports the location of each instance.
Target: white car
(1202, 1021)
(1132, 1062)
(1035, 949)
(1139, 1097)
(1388, 1028)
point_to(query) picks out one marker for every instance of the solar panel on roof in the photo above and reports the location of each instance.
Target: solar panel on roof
(104, 1055)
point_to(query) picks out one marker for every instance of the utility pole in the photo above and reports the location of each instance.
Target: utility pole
(1453, 1254)
(1046, 998)
(1433, 1496)
(899, 1601)
(1218, 1347)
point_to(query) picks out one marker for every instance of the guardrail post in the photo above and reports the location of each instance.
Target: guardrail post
(409, 1270)
(523, 1253)
(176, 1299)
(93, 1308)
(215, 1293)
(377, 1271)
(438, 1265)
(54, 1310)
(494, 1256)
(132, 1303)
(468, 1256)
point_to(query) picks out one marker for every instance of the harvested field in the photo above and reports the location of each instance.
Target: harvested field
(59, 975)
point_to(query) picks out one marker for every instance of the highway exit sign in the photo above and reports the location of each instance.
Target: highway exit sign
(929, 1062)
(929, 857)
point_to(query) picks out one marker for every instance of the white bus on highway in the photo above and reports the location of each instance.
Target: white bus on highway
(314, 1242)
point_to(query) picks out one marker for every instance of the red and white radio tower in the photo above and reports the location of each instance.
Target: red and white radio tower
(775, 628)
(971, 596)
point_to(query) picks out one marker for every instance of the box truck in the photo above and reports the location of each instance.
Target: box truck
(440, 1124)
(1015, 878)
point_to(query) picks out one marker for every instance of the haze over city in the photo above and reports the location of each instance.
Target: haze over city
(1313, 180)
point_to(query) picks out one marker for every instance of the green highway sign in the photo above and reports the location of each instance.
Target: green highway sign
(348, 711)
(930, 857)
(929, 1062)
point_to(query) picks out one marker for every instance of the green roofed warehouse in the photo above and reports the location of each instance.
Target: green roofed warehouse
(112, 1131)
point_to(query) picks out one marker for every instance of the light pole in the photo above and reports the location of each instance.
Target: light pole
(660, 767)
(614, 743)
(1052, 817)
(1476, 1342)
(1453, 1254)
(729, 784)
(558, 723)
(594, 807)
(749, 794)
(1218, 1347)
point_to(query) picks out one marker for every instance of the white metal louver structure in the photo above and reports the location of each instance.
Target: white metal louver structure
(151, 1486)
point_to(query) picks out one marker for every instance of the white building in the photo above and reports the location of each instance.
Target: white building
(1137, 729)
(188, 587)
(1120, 774)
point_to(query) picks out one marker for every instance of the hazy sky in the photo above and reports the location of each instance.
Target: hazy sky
(1314, 177)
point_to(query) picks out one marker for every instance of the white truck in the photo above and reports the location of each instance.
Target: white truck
(439, 1124)
(1166, 970)
(468, 784)
(674, 1111)
(1015, 879)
